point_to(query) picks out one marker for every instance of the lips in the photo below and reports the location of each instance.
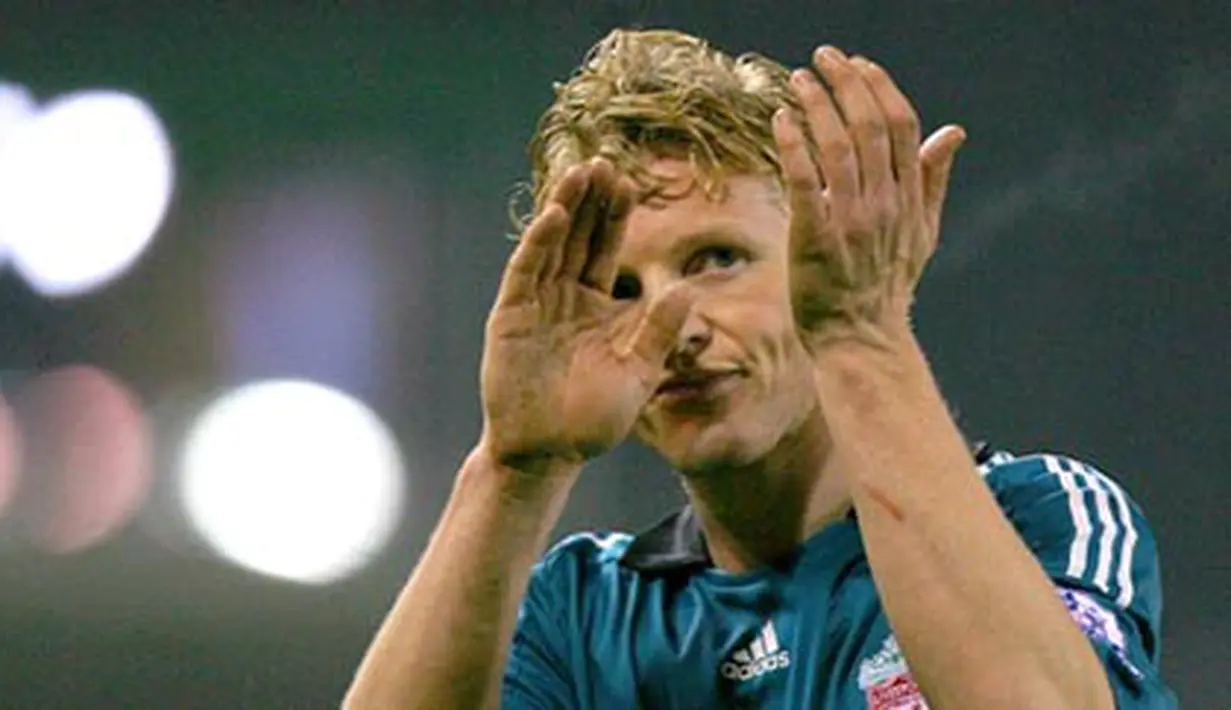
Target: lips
(692, 385)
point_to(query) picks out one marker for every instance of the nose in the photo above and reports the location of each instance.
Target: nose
(695, 336)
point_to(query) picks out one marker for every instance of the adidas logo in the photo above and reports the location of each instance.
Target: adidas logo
(763, 655)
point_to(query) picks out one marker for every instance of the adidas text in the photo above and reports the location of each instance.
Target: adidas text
(757, 668)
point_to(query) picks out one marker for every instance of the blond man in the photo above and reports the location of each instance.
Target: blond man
(721, 262)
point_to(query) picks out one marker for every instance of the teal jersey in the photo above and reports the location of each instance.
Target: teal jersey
(620, 622)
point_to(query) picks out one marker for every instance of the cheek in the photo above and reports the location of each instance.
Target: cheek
(769, 342)
(759, 318)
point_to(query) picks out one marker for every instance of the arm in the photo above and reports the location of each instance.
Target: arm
(566, 370)
(989, 631)
(976, 617)
(466, 589)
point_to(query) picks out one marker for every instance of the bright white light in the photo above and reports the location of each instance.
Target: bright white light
(84, 185)
(292, 479)
(16, 106)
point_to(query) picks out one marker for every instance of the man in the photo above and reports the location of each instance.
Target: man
(721, 261)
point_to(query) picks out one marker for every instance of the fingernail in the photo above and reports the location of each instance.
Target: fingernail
(800, 78)
(780, 119)
(829, 53)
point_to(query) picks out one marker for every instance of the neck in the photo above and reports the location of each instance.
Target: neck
(756, 514)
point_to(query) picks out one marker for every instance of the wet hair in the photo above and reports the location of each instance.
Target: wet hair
(661, 93)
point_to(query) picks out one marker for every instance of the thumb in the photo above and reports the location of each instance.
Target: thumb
(658, 332)
(936, 158)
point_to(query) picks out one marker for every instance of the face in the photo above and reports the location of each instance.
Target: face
(739, 381)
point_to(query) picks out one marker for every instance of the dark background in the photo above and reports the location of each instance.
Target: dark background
(1078, 303)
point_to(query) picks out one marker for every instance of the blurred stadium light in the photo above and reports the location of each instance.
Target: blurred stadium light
(16, 106)
(85, 182)
(292, 479)
(86, 462)
(305, 251)
(10, 455)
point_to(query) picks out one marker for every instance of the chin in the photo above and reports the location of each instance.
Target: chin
(702, 443)
(695, 450)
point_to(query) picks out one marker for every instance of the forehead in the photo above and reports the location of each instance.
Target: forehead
(750, 206)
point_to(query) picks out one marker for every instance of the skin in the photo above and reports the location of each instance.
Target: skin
(802, 301)
(757, 442)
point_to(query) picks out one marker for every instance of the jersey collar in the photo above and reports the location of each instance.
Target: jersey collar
(673, 544)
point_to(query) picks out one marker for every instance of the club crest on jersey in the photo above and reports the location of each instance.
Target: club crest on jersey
(886, 681)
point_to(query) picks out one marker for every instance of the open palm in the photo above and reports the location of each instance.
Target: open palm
(866, 209)
(566, 368)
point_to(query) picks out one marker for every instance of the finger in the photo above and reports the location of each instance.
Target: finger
(588, 215)
(601, 267)
(538, 248)
(903, 123)
(568, 195)
(657, 333)
(534, 254)
(803, 182)
(936, 158)
(864, 120)
(572, 187)
(836, 158)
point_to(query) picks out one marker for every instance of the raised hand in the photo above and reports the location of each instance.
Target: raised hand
(866, 203)
(566, 368)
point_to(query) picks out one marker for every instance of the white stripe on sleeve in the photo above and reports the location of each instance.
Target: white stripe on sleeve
(1102, 570)
(1079, 548)
(1124, 573)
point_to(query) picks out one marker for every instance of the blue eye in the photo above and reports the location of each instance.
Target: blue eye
(712, 259)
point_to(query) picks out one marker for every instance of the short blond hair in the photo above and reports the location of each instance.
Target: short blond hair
(661, 93)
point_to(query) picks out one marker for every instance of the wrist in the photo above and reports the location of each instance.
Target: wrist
(521, 475)
(885, 385)
(866, 350)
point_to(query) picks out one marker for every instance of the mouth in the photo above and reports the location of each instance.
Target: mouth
(694, 387)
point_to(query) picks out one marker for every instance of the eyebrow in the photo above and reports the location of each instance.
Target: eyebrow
(689, 242)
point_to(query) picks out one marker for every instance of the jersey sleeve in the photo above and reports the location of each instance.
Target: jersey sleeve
(1096, 545)
(537, 676)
